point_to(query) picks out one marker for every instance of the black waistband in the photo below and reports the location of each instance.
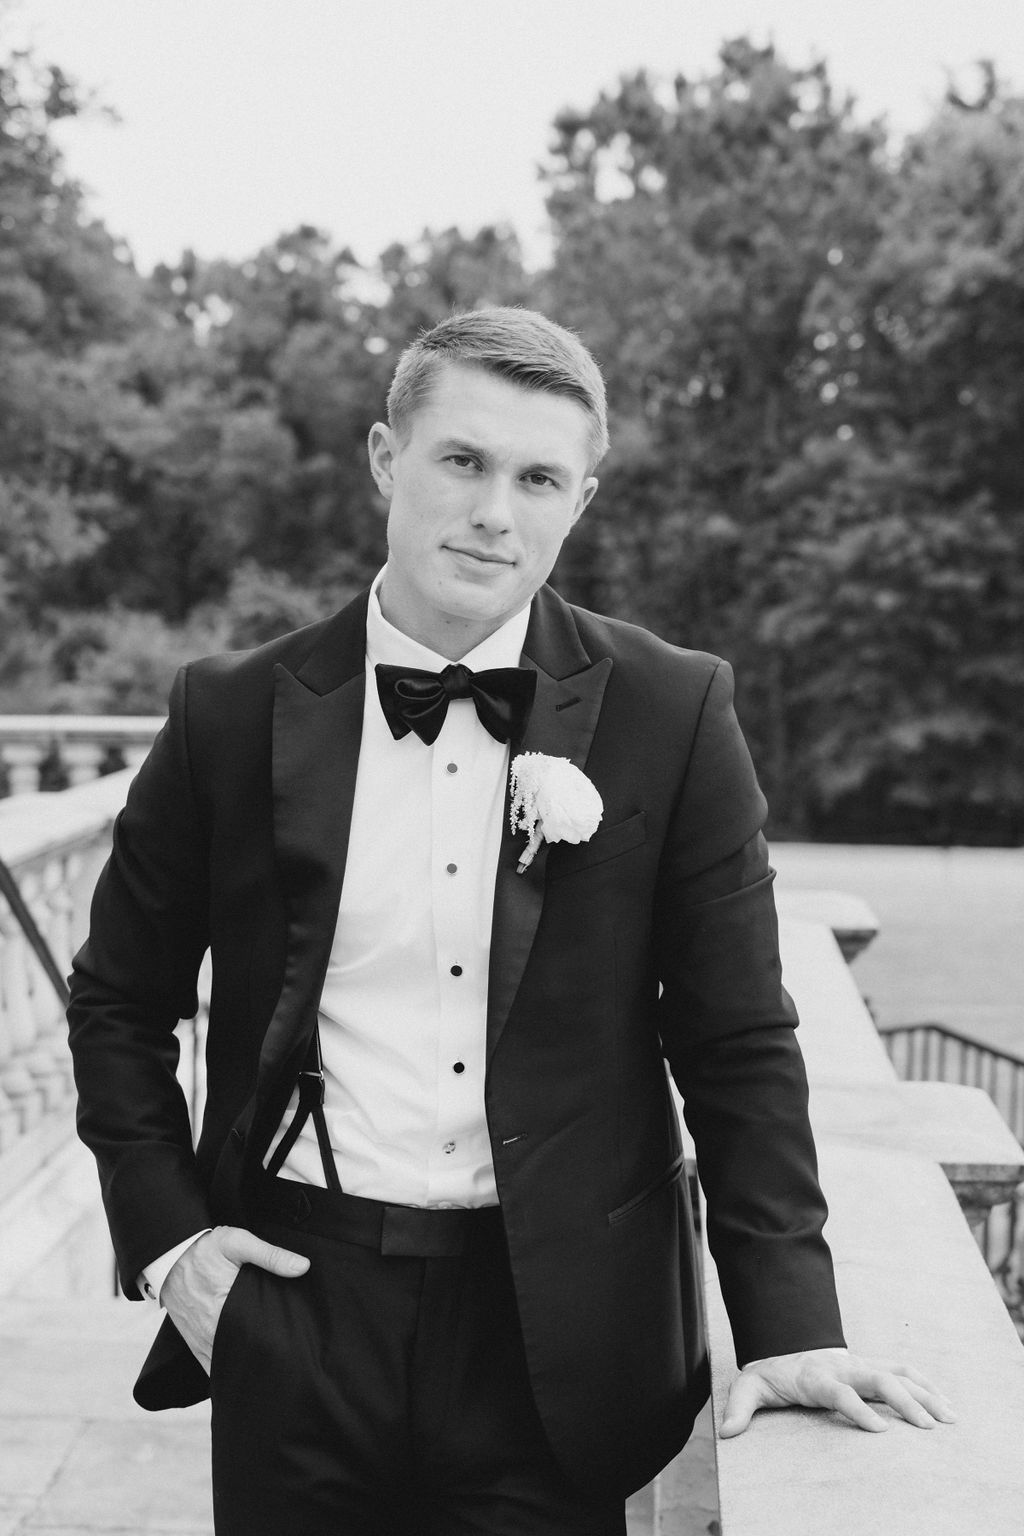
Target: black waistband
(398, 1230)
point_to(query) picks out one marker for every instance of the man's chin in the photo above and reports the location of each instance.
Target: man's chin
(483, 596)
(481, 612)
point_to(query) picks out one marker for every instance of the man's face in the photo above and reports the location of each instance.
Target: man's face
(480, 497)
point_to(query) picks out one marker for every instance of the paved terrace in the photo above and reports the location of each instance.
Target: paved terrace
(76, 1455)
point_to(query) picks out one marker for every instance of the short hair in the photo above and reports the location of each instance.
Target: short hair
(516, 344)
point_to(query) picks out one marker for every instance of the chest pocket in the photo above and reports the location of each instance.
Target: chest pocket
(606, 843)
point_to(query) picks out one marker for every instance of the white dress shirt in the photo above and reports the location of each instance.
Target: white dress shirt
(404, 1004)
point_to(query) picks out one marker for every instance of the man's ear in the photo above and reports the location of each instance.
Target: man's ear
(586, 495)
(381, 447)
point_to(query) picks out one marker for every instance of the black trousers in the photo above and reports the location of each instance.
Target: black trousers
(385, 1392)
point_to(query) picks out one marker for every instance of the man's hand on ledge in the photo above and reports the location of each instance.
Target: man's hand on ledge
(835, 1379)
(197, 1285)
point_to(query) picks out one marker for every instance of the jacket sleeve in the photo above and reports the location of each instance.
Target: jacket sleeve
(727, 1028)
(131, 982)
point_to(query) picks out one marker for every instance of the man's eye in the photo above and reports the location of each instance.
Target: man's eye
(461, 460)
(537, 477)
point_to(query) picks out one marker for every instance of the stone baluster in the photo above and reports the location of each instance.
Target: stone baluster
(39, 999)
(23, 760)
(57, 881)
(81, 871)
(84, 742)
(10, 1120)
(17, 1081)
(61, 876)
(49, 1060)
(21, 1023)
(81, 760)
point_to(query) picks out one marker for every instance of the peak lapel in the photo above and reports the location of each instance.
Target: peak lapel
(562, 724)
(318, 721)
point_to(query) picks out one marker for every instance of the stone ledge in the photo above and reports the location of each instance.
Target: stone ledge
(36, 825)
(913, 1288)
(850, 919)
(80, 727)
(839, 1042)
(856, 1095)
(957, 1127)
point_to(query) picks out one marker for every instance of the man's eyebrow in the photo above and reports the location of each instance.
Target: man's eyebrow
(460, 445)
(556, 470)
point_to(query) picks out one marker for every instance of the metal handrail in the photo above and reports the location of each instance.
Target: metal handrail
(23, 916)
(950, 1034)
(931, 1052)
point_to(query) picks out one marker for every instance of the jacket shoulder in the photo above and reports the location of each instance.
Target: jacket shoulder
(643, 659)
(221, 707)
(323, 654)
(290, 650)
(669, 716)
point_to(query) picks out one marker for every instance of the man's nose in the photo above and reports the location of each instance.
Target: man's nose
(493, 508)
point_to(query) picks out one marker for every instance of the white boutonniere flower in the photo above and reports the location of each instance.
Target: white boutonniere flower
(552, 801)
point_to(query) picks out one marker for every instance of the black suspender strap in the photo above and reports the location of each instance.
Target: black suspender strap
(310, 1105)
(311, 1078)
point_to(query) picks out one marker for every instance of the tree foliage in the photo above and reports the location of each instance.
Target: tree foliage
(814, 351)
(814, 347)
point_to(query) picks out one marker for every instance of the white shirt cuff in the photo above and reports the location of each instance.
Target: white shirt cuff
(151, 1280)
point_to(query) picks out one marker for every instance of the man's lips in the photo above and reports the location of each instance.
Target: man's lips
(479, 554)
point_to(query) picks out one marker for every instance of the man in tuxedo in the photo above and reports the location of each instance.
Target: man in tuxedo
(433, 1257)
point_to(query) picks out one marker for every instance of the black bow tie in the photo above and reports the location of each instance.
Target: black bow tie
(418, 701)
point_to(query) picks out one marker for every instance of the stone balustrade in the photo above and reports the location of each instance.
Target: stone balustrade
(40, 751)
(55, 846)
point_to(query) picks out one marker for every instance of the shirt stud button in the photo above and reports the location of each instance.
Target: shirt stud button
(460, 1066)
(456, 970)
(452, 768)
(451, 868)
(449, 1146)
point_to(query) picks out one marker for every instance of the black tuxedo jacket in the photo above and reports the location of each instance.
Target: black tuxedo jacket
(655, 940)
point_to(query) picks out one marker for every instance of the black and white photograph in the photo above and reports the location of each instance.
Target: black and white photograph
(511, 768)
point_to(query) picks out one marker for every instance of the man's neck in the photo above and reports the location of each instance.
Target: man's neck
(451, 638)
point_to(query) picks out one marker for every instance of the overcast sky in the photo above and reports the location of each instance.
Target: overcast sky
(376, 118)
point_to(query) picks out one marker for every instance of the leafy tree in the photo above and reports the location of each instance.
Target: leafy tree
(812, 351)
(695, 224)
(64, 286)
(815, 357)
(448, 271)
(905, 579)
(63, 280)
